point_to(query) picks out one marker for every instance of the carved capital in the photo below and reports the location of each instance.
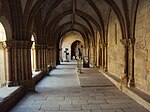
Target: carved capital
(105, 44)
(131, 41)
(41, 46)
(127, 42)
(17, 44)
(101, 45)
(51, 47)
(124, 42)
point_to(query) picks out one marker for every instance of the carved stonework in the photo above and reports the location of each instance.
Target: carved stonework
(105, 44)
(124, 80)
(124, 42)
(17, 44)
(41, 46)
(101, 45)
(1, 45)
(51, 47)
(127, 42)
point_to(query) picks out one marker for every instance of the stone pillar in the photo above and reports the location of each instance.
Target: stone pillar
(52, 56)
(8, 54)
(128, 76)
(58, 56)
(92, 56)
(41, 56)
(105, 57)
(131, 82)
(102, 56)
(124, 79)
(18, 55)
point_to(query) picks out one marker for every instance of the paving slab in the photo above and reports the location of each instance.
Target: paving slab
(66, 91)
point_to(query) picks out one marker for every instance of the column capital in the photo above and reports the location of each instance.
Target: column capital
(17, 44)
(105, 44)
(41, 46)
(127, 42)
(124, 42)
(51, 47)
(102, 45)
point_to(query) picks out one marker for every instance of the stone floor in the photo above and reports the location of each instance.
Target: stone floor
(65, 91)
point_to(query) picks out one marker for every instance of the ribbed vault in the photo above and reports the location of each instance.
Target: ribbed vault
(54, 18)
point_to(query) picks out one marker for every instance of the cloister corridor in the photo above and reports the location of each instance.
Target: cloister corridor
(65, 90)
(41, 40)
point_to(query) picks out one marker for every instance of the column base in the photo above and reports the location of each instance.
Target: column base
(124, 80)
(9, 84)
(29, 85)
(131, 83)
(105, 69)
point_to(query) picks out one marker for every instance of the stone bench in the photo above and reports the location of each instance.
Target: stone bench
(9, 96)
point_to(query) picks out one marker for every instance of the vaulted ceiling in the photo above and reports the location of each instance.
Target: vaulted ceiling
(52, 19)
(59, 17)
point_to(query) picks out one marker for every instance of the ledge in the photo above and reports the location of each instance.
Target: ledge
(9, 96)
(139, 96)
(37, 76)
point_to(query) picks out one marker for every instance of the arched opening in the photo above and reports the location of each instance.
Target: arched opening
(71, 45)
(2, 33)
(33, 55)
(2, 56)
(76, 50)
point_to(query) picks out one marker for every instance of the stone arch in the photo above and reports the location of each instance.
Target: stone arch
(3, 57)
(67, 41)
(2, 33)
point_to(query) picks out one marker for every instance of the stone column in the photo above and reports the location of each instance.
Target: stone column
(52, 56)
(131, 82)
(105, 57)
(9, 79)
(102, 56)
(41, 56)
(124, 79)
(128, 76)
(58, 56)
(19, 63)
(92, 56)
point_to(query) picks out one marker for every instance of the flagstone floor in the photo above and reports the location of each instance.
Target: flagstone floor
(65, 91)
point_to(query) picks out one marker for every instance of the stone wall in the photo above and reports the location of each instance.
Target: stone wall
(142, 47)
(68, 41)
(115, 48)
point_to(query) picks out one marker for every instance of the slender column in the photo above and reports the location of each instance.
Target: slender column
(42, 56)
(131, 82)
(91, 56)
(102, 56)
(105, 57)
(124, 79)
(128, 76)
(9, 79)
(54, 57)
